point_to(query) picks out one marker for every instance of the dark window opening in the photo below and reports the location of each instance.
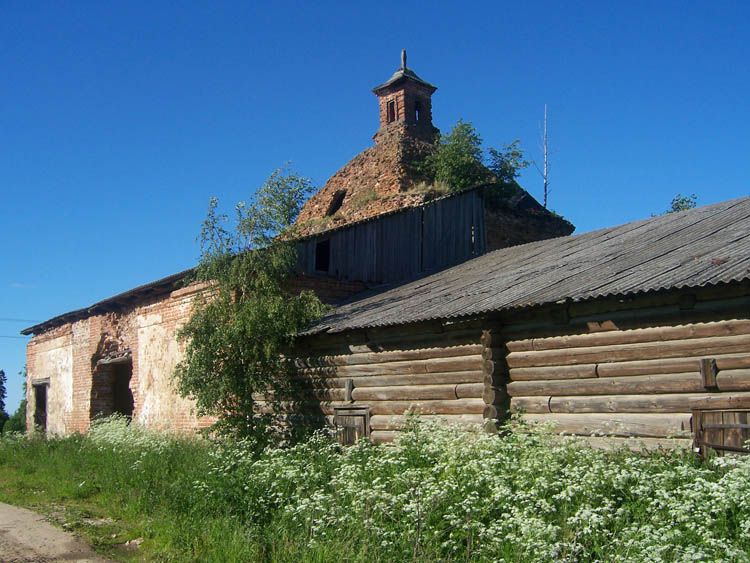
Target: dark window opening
(417, 111)
(336, 202)
(40, 407)
(323, 255)
(110, 389)
(391, 111)
(122, 396)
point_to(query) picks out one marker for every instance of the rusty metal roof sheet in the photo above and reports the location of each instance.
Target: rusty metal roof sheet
(700, 247)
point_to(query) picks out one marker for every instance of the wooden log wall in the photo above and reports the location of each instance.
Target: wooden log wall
(440, 375)
(638, 382)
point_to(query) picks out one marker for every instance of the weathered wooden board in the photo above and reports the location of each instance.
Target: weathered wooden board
(667, 403)
(665, 333)
(398, 380)
(627, 424)
(696, 347)
(402, 245)
(397, 422)
(447, 351)
(432, 365)
(631, 385)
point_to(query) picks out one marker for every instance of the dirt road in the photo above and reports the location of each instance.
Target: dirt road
(25, 537)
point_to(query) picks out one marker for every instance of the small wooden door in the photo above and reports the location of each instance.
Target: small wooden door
(352, 423)
(721, 430)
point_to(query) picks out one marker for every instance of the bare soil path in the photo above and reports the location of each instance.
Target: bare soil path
(26, 537)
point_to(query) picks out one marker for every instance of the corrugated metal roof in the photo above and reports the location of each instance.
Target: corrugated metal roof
(700, 247)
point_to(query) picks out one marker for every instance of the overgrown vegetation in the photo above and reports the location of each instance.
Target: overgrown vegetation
(459, 160)
(439, 494)
(17, 421)
(239, 330)
(3, 394)
(682, 203)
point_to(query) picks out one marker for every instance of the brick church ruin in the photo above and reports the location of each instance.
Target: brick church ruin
(460, 305)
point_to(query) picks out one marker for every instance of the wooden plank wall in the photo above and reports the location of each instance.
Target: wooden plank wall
(641, 382)
(402, 245)
(439, 375)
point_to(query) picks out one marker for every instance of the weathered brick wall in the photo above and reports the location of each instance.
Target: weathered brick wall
(66, 356)
(406, 97)
(375, 182)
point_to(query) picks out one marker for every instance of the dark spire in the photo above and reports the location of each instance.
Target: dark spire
(403, 73)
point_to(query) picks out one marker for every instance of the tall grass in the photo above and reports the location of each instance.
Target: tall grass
(439, 494)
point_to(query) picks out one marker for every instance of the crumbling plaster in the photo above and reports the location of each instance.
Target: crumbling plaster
(67, 357)
(53, 366)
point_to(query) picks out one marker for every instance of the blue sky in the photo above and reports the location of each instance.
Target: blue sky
(118, 120)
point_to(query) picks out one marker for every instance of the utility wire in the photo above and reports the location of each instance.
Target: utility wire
(14, 320)
(9, 336)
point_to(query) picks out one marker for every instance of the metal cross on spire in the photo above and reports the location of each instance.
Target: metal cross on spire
(403, 59)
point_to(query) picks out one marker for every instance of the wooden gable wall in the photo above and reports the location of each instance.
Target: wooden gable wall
(403, 245)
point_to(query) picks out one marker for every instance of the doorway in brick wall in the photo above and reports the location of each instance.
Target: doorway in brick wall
(110, 388)
(40, 406)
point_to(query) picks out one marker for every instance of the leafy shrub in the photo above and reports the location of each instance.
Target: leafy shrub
(458, 160)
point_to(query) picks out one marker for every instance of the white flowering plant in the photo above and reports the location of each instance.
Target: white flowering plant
(439, 493)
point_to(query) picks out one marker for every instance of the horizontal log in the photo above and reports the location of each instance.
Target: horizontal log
(668, 403)
(640, 444)
(302, 395)
(652, 367)
(648, 367)
(631, 385)
(397, 422)
(389, 356)
(406, 392)
(652, 334)
(394, 338)
(733, 380)
(395, 380)
(531, 405)
(434, 365)
(428, 406)
(628, 424)
(389, 336)
(553, 372)
(524, 345)
(455, 406)
(469, 390)
(383, 436)
(696, 347)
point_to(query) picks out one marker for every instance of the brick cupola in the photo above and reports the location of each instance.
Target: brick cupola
(383, 177)
(406, 104)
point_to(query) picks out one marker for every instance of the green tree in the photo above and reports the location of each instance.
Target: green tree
(458, 160)
(507, 163)
(682, 203)
(17, 421)
(244, 324)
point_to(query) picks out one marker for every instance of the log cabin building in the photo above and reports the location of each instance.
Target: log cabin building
(463, 306)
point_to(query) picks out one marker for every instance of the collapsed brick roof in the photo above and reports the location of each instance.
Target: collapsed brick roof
(382, 178)
(376, 181)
